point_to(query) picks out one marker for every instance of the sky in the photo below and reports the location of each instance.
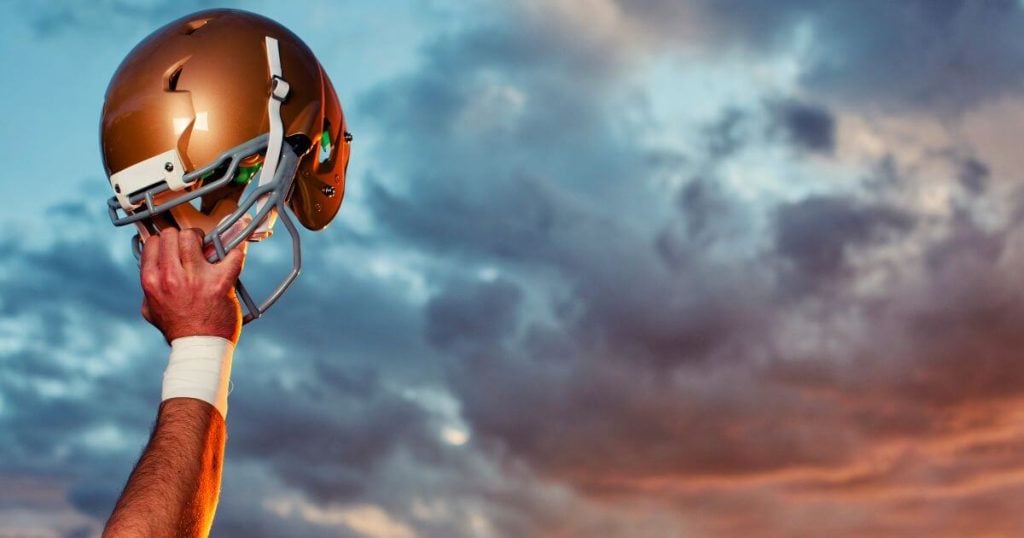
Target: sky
(618, 268)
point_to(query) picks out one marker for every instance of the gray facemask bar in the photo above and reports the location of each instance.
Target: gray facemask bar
(232, 157)
(273, 192)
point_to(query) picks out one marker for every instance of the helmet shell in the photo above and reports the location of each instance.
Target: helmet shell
(200, 84)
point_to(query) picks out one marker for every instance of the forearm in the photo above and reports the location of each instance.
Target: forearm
(174, 488)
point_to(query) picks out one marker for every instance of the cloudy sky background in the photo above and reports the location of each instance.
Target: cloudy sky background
(611, 268)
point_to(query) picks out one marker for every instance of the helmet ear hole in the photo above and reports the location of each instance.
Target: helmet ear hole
(300, 143)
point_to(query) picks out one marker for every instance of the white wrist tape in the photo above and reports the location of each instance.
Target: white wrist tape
(200, 368)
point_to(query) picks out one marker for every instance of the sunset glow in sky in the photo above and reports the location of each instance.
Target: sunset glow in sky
(605, 268)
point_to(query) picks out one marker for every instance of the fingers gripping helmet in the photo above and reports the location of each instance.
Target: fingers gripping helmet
(224, 120)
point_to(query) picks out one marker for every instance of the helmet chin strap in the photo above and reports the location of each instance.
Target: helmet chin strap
(278, 93)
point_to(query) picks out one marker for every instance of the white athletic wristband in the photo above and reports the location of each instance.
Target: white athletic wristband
(200, 368)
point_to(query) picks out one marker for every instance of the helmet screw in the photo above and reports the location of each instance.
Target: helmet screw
(327, 190)
(348, 136)
(169, 167)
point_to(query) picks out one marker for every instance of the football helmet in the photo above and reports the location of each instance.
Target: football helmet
(224, 120)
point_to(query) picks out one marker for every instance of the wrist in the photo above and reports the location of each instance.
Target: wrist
(199, 367)
(225, 331)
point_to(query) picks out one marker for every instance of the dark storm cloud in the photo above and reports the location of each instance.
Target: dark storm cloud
(944, 54)
(520, 227)
(76, 271)
(816, 234)
(707, 215)
(481, 312)
(336, 312)
(974, 176)
(491, 86)
(965, 323)
(809, 127)
(727, 134)
(329, 435)
(602, 424)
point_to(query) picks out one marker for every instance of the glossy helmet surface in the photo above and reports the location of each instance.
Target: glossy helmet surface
(220, 117)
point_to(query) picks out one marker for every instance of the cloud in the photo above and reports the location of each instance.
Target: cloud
(942, 56)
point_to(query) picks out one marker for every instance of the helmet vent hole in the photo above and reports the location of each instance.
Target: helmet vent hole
(192, 26)
(172, 79)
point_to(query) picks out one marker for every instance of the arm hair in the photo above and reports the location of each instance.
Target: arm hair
(174, 488)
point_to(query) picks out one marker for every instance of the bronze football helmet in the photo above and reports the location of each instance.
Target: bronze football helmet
(223, 120)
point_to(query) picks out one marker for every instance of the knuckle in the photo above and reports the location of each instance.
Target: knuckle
(169, 281)
(191, 235)
(150, 281)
